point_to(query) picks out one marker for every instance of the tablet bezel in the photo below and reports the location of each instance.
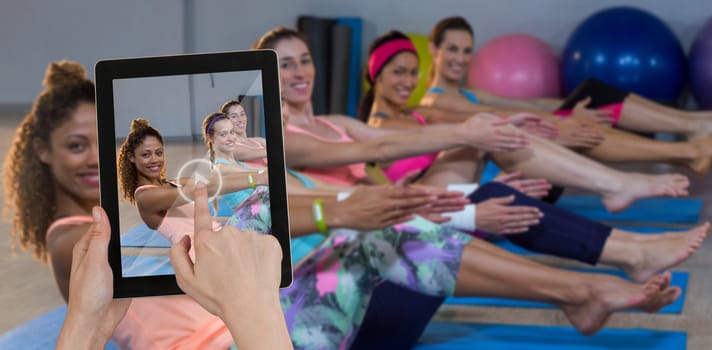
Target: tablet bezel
(106, 71)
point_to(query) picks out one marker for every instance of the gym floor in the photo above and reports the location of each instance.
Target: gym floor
(28, 289)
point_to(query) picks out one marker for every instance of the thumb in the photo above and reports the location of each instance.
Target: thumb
(183, 266)
(504, 200)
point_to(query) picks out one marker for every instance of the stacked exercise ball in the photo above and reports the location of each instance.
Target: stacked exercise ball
(701, 66)
(629, 48)
(517, 66)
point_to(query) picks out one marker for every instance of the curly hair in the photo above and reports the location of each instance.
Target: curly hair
(208, 129)
(128, 176)
(29, 183)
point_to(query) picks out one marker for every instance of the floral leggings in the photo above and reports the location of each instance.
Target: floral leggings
(332, 286)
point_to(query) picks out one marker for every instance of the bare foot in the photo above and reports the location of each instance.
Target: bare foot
(650, 254)
(638, 186)
(703, 128)
(701, 161)
(607, 294)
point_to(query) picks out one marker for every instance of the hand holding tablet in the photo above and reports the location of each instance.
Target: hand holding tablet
(247, 263)
(231, 263)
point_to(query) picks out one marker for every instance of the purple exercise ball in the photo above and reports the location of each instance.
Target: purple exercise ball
(701, 66)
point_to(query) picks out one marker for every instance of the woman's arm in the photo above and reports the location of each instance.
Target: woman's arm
(489, 134)
(366, 208)
(543, 104)
(247, 153)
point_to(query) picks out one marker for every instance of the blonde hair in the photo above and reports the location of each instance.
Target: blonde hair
(29, 183)
(208, 130)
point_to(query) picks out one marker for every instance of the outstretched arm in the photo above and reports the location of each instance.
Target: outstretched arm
(544, 104)
(489, 133)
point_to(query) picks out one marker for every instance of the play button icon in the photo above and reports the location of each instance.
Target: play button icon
(200, 170)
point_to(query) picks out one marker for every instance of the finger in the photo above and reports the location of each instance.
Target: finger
(410, 204)
(100, 233)
(438, 219)
(501, 200)
(398, 220)
(523, 210)
(395, 217)
(182, 265)
(81, 247)
(522, 223)
(407, 192)
(95, 241)
(203, 221)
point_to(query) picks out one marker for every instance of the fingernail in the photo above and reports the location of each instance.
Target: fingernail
(96, 214)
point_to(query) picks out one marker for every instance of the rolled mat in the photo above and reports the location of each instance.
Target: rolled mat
(339, 82)
(318, 32)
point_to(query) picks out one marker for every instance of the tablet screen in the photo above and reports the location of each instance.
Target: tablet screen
(172, 103)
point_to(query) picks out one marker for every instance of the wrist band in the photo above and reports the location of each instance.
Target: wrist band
(342, 196)
(463, 219)
(318, 212)
(251, 180)
(467, 188)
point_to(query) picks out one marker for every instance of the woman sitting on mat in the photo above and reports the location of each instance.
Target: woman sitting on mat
(314, 143)
(587, 300)
(51, 179)
(553, 220)
(252, 150)
(451, 43)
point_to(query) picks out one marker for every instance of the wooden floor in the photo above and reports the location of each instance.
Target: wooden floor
(27, 289)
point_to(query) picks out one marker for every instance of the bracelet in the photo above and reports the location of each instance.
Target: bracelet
(251, 180)
(318, 212)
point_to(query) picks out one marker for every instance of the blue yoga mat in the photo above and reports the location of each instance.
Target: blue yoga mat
(662, 210)
(142, 236)
(454, 336)
(678, 279)
(40, 333)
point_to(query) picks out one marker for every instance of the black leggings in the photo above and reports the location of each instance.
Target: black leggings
(601, 94)
(396, 317)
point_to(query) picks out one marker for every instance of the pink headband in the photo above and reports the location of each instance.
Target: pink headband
(384, 52)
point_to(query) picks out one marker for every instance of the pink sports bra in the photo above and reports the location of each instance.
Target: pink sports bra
(343, 175)
(404, 166)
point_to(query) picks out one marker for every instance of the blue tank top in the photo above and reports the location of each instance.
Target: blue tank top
(301, 246)
(467, 93)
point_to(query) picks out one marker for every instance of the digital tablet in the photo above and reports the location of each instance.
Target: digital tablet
(174, 94)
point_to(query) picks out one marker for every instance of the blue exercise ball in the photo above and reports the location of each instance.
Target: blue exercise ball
(701, 66)
(629, 48)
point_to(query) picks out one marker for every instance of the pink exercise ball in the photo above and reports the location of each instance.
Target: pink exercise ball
(517, 66)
